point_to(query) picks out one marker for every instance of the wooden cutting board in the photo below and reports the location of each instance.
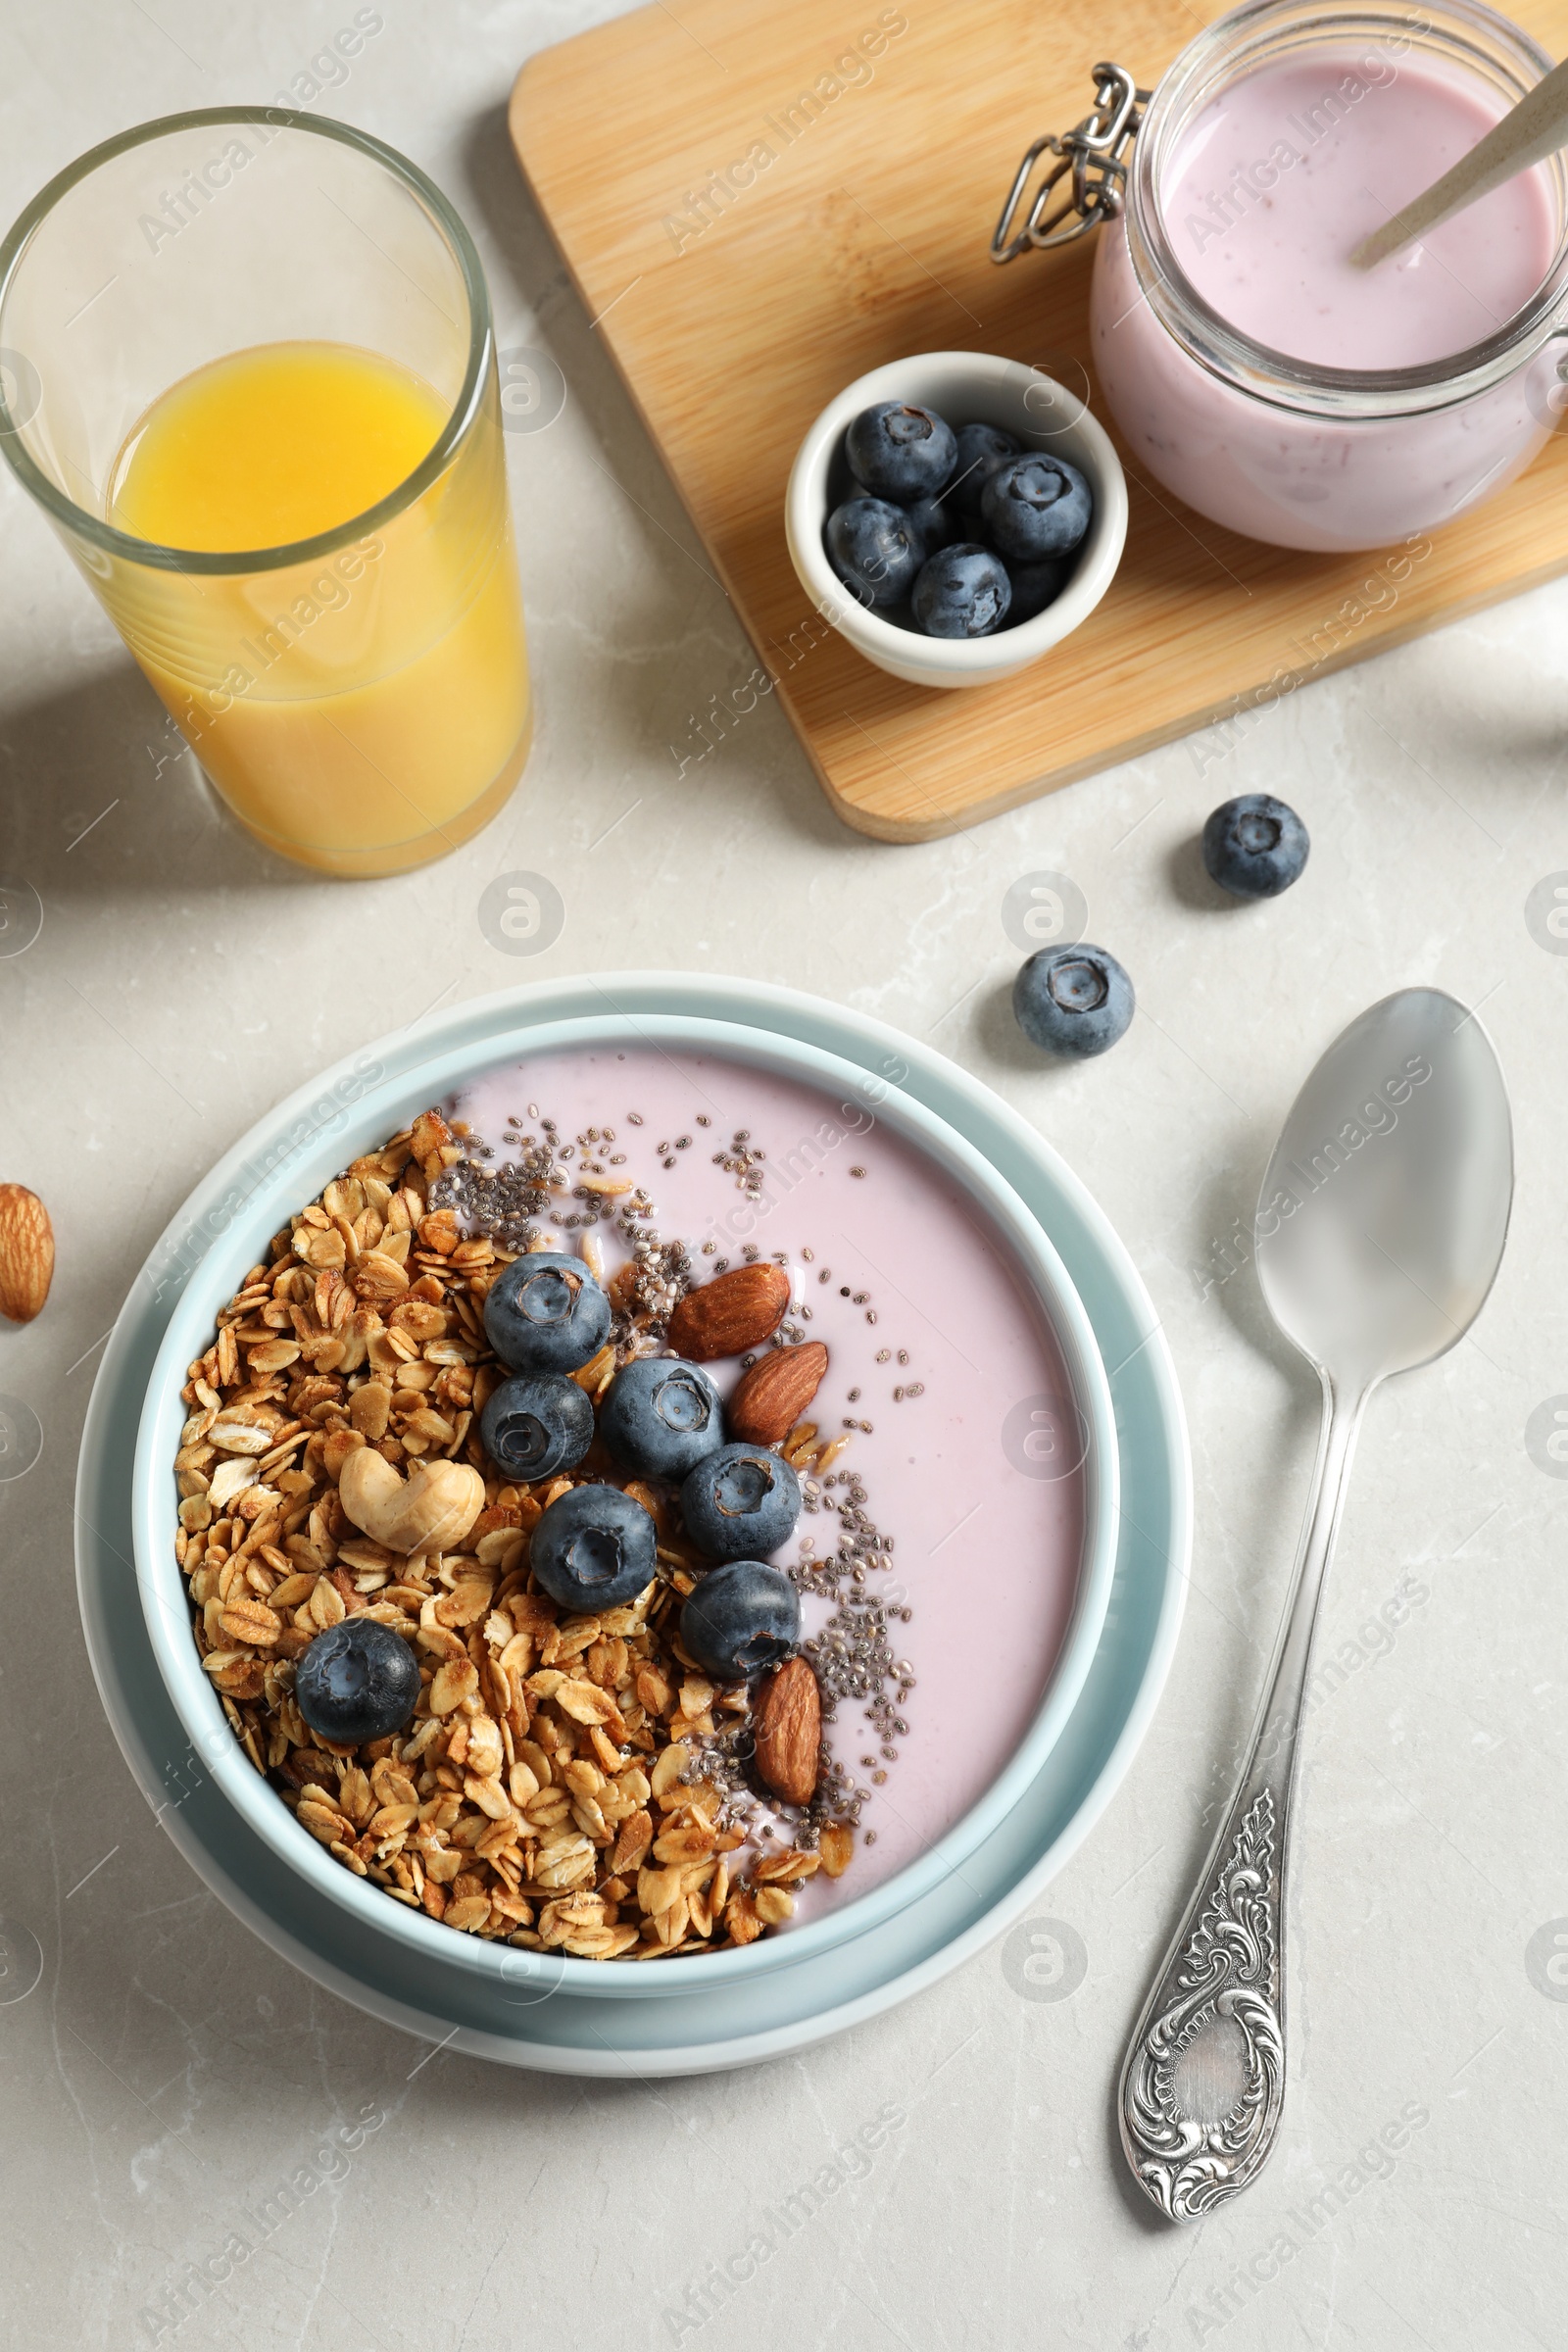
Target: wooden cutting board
(760, 199)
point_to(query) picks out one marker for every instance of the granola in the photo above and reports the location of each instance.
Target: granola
(572, 1782)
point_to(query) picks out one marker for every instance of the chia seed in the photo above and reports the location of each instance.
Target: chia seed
(851, 1654)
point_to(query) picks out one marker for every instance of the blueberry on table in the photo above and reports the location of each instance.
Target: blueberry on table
(545, 1314)
(740, 1619)
(740, 1503)
(875, 549)
(981, 449)
(357, 1681)
(1075, 1000)
(660, 1415)
(898, 450)
(1256, 846)
(1035, 586)
(594, 1548)
(1036, 507)
(962, 592)
(537, 1424)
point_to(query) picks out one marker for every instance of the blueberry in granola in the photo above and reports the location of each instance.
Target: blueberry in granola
(660, 1415)
(740, 1619)
(741, 1503)
(357, 1681)
(594, 1548)
(546, 1313)
(537, 1424)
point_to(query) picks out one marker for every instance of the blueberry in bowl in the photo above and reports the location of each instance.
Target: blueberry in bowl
(934, 522)
(1037, 585)
(875, 549)
(1036, 507)
(660, 1415)
(357, 1681)
(740, 1619)
(536, 1423)
(1256, 846)
(594, 1548)
(963, 591)
(898, 450)
(545, 1314)
(1076, 1000)
(981, 449)
(739, 1503)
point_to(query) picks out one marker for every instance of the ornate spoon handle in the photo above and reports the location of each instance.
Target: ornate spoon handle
(1204, 2079)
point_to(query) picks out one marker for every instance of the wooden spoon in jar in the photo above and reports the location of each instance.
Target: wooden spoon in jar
(1527, 134)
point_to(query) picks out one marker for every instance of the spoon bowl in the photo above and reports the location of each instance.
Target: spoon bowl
(1382, 1216)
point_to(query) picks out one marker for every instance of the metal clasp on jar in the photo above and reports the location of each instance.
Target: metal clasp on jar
(1095, 156)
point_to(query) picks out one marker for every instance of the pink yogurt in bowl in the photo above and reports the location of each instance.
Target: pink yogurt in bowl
(1251, 368)
(965, 1509)
(984, 1501)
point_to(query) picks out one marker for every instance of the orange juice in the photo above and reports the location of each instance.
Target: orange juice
(362, 711)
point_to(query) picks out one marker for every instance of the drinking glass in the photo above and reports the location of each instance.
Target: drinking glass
(359, 699)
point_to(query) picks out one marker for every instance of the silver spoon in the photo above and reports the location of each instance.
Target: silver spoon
(1380, 1230)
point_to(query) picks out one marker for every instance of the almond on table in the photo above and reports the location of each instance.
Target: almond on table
(26, 1253)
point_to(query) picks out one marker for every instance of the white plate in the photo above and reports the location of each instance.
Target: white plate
(814, 1995)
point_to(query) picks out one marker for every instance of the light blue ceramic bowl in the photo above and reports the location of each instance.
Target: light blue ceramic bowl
(287, 1161)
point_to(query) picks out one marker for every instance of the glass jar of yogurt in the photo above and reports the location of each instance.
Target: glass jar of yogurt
(1252, 369)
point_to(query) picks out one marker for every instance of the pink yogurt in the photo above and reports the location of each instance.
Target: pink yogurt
(986, 1556)
(1262, 198)
(1268, 195)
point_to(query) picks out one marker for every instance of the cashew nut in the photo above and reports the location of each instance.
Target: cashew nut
(430, 1510)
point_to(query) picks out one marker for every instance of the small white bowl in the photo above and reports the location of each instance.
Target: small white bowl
(966, 387)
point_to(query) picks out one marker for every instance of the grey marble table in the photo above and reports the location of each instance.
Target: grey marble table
(166, 2073)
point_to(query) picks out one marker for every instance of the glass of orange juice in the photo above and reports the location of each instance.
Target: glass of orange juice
(247, 369)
